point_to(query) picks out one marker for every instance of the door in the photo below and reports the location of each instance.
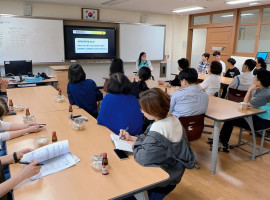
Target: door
(220, 39)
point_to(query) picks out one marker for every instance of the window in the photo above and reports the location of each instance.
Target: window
(222, 17)
(264, 41)
(199, 20)
(246, 39)
(266, 15)
(249, 16)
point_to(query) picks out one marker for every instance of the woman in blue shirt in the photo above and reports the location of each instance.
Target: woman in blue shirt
(81, 91)
(119, 109)
(142, 62)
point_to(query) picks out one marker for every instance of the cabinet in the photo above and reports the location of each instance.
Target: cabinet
(61, 74)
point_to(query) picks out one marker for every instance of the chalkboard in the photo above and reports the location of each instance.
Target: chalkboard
(39, 40)
(135, 38)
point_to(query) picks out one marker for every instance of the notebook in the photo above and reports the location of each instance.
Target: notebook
(121, 144)
(55, 157)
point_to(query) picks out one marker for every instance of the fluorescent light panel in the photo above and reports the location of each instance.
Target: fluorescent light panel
(113, 2)
(187, 9)
(240, 1)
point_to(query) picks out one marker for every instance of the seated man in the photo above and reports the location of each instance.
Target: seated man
(231, 73)
(190, 100)
(243, 81)
(261, 100)
(203, 66)
(183, 63)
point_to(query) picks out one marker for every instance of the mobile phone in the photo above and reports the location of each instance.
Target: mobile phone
(121, 154)
(12, 113)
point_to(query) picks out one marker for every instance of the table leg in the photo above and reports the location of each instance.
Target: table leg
(215, 147)
(142, 196)
(250, 123)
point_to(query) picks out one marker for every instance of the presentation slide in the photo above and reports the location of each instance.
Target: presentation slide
(91, 45)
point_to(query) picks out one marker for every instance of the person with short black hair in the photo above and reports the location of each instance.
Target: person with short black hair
(138, 87)
(183, 63)
(165, 145)
(119, 109)
(231, 73)
(260, 65)
(260, 100)
(216, 57)
(243, 81)
(190, 100)
(203, 66)
(211, 85)
(81, 91)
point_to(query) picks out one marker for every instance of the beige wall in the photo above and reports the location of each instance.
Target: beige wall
(175, 42)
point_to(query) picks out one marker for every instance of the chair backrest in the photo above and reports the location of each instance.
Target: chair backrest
(193, 126)
(236, 95)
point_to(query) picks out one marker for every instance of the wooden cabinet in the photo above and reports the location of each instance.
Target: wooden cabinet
(61, 74)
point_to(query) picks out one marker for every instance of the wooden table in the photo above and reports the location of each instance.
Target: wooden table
(126, 177)
(51, 81)
(153, 84)
(38, 99)
(223, 80)
(221, 110)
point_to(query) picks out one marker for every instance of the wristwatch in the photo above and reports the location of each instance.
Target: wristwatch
(16, 160)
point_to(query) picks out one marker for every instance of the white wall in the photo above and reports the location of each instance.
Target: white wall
(175, 41)
(198, 46)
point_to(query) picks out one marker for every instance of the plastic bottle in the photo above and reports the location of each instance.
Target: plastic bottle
(70, 110)
(54, 137)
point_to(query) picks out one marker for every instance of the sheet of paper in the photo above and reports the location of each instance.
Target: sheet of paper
(56, 164)
(121, 144)
(47, 152)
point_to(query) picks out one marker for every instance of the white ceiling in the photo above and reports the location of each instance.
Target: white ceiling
(152, 6)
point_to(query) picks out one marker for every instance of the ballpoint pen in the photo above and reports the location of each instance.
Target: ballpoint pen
(121, 136)
(27, 163)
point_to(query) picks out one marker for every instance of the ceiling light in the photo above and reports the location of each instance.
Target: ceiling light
(227, 16)
(187, 9)
(113, 2)
(240, 1)
(245, 14)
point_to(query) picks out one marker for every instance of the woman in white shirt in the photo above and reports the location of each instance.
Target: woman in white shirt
(211, 85)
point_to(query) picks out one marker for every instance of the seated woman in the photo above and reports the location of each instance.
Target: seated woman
(81, 91)
(26, 172)
(261, 65)
(211, 85)
(117, 66)
(143, 62)
(137, 87)
(119, 109)
(165, 145)
(17, 129)
(261, 100)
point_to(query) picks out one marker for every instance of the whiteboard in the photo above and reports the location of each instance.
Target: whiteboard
(39, 40)
(134, 39)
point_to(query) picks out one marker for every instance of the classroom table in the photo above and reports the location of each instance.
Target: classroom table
(38, 99)
(154, 84)
(223, 80)
(82, 181)
(52, 81)
(221, 110)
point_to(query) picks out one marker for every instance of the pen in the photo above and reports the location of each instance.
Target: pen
(37, 124)
(76, 116)
(27, 163)
(121, 136)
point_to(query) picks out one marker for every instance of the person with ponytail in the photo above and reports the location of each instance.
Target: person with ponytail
(137, 87)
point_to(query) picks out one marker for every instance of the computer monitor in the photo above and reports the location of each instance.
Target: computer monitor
(18, 67)
(262, 55)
